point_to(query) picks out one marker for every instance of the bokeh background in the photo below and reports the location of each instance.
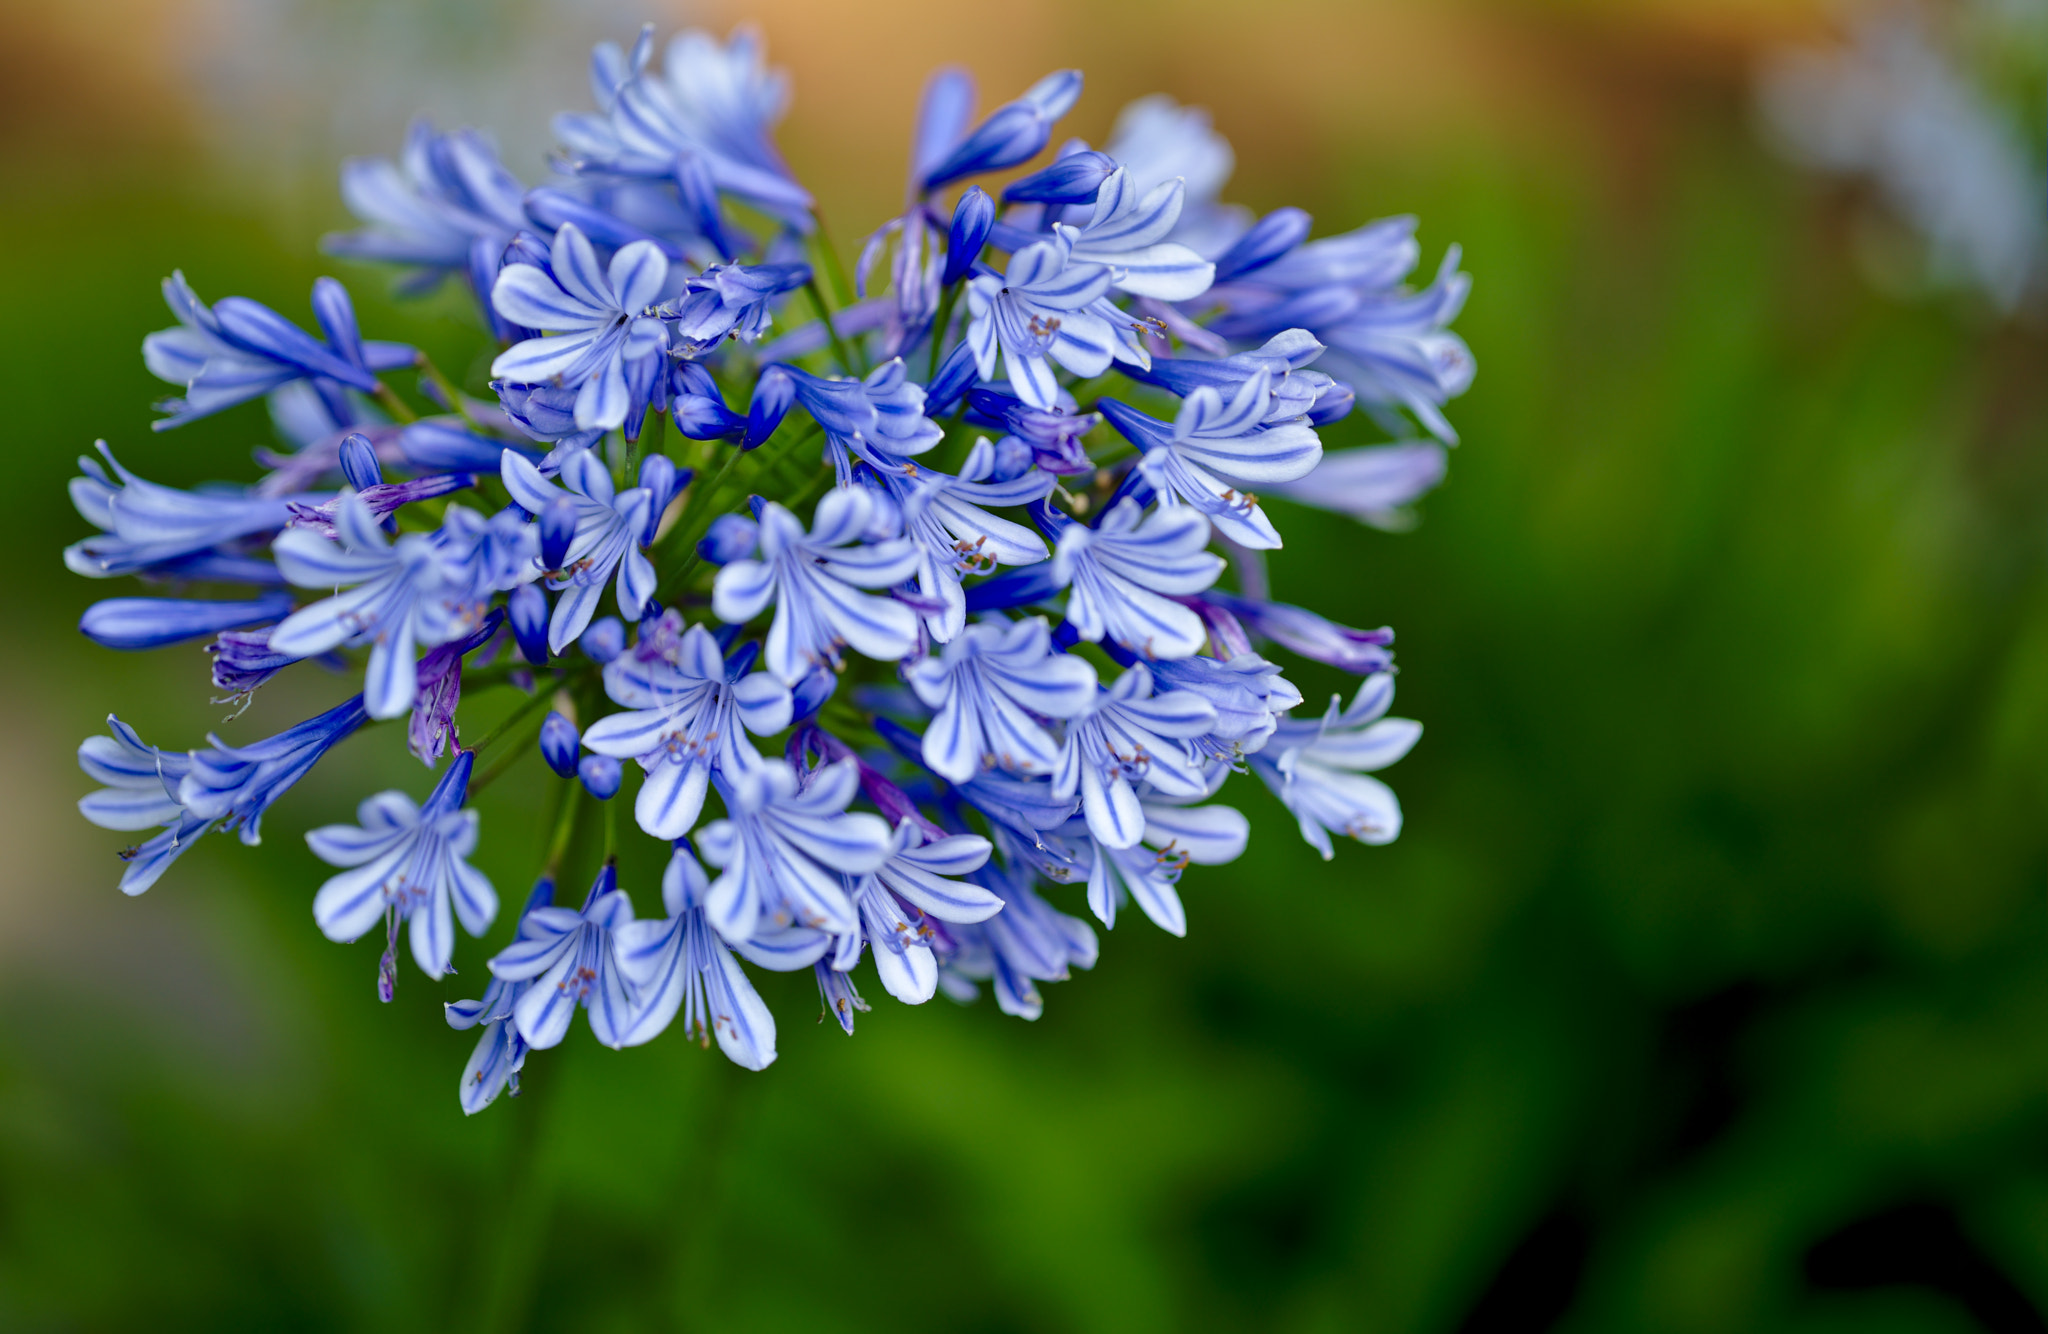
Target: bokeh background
(1706, 990)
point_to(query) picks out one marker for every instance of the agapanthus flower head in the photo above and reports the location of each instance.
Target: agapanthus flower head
(903, 648)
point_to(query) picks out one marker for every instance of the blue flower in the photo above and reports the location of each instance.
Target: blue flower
(407, 862)
(1178, 835)
(814, 581)
(955, 536)
(1052, 437)
(1321, 769)
(1157, 140)
(500, 1053)
(602, 334)
(1247, 692)
(1126, 737)
(922, 876)
(447, 205)
(610, 526)
(1392, 346)
(1293, 390)
(729, 301)
(685, 708)
(1127, 232)
(188, 794)
(1123, 577)
(432, 727)
(569, 959)
(880, 417)
(240, 350)
(988, 691)
(681, 964)
(1038, 313)
(711, 102)
(242, 663)
(782, 849)
(1028, 941)
(411, 594)
(1314, 637)
(1216, 450)
(149, 528)
(1013, 132)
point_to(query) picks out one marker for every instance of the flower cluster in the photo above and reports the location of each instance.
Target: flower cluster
(906, 622)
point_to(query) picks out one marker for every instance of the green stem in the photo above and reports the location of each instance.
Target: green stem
(829, 254)
(939, 326)
(541, 696)
(393, 404)
(839, 348)
(449, 392)
(565, 826)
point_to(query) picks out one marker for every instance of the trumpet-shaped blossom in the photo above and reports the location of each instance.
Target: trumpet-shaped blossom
(1123, 577)
(447, 205)
(989, 689)
(813, 580)
(1127, 232)
(406, 595)
(240, 349)
(687, 715)
(782, 849)
(1216, 449)
(600, 333)
(409, 862)
(229, 786)
(1177, 837)
(148, 528)
(610, 528)
(1322, 769)
(1037, 313)
(571, 958)
(949, 520)
(681, 964)
(729, 301)
(1130, 737)
(1029, 941)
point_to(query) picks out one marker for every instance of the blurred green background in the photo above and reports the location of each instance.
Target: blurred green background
(1706, 990)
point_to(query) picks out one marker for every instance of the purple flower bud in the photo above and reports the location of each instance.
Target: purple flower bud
(601, 775)
(604, 640)
(972, 218)
(529, 608)
(1268, 239)
(359, 462)
(559, 742)
(774, 392)
(1074, 179)
(557, 531)
(731, 537)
